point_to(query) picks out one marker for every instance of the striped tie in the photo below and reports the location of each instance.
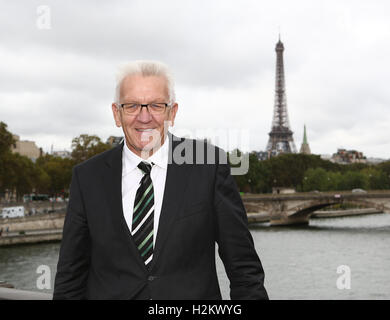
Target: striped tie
(143, 215)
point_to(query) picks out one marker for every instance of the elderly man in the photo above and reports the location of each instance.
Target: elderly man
(144, 217)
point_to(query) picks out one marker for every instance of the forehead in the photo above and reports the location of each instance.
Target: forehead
(142, 88)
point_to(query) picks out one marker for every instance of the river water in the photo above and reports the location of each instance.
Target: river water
(299, 262)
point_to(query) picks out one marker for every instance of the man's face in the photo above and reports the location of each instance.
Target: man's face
(137, 128)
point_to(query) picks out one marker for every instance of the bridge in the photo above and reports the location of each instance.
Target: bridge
(296, 208)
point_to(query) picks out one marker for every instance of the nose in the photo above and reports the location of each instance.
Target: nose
(144, 115)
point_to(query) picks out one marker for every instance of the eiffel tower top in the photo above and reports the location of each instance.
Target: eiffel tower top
(279, 45)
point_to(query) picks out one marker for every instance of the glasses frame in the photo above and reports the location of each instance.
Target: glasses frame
(167, 105)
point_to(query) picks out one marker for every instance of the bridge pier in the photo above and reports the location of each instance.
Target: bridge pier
(286, 220)
(281, 215)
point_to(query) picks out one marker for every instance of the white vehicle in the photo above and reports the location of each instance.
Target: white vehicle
(358, 190)
(12, 212)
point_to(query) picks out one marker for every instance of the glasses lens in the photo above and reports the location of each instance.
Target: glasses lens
(131, 108)
(153, 108)
(157, 108)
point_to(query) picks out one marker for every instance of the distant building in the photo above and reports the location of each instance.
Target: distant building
(344, 156)
(114, 141)
(64, 154)
(26, 148)
(305, 149)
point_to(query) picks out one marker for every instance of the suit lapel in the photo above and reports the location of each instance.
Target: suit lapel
(174, 194)
(173, 199)
(112, 177)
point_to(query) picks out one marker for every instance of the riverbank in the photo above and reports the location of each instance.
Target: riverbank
(32, 229)
(265, 217)
(344, 213)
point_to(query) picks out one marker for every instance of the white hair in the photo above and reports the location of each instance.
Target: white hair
(145, 68)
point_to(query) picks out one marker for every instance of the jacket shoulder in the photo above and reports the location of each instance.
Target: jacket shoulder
(199, 151)
(100, 159)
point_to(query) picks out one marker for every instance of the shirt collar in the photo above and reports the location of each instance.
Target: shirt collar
(131, 160)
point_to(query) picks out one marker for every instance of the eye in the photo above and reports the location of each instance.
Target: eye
(130, 106)
(157, 105)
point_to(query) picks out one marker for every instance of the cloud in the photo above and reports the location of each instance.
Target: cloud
(59, 83)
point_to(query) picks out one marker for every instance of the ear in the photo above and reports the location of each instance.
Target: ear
(117, 115)
(172, 114)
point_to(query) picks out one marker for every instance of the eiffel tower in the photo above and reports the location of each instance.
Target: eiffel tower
(281, 137)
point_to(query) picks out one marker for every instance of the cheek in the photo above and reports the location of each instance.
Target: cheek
(128, 123)
(166, 121)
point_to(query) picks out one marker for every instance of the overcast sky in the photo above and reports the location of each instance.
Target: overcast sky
(58, 83)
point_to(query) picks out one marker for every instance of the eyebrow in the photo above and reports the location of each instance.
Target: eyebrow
(159, 99)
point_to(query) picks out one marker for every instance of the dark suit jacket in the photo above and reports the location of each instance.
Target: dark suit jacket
(201, 206)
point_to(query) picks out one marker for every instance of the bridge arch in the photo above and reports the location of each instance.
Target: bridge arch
(307, 208)
(296, 208)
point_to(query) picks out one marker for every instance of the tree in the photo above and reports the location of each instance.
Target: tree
(86, 146)
(58, 171)
(310, 172)
(255, 180)
(376, 178)
(354, 180)
(42, 181)
(6, 139)
(19, 174)
(385, 168)
(288, 170)
(335, 181)
(7, 175)
(315, 179)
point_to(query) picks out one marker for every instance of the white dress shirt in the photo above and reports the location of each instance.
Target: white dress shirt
(131, 178)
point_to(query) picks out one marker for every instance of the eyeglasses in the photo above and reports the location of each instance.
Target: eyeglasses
(135, 108)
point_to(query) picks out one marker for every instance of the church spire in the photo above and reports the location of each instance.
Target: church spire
(304, 135)
(305, 145)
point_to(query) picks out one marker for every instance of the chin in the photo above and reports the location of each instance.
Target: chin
(144, 146)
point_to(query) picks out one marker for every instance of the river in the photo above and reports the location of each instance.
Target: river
(299, 262)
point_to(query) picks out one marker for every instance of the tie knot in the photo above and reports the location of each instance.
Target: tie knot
(145, 167)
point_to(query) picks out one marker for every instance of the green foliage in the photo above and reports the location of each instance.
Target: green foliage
(49, 174)
(19, 175)
(315, 179)
(6, 139)
(351, 180)
(57, 173)
(309, 173)
(385, 168)
(255, 180)
(86, 146)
